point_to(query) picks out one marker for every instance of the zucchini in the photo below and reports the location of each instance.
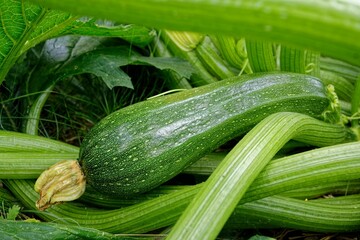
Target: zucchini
(141, 146)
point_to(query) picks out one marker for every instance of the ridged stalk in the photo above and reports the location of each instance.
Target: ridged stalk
(300, 61)
(211, 59)
(21, 142)
(212, 206)
(29, 165)
(33, 119)
(233, 51)
(182, 44)
(281, 212)
(341, 68)
(343, 87)
(292, 59)
(284, 174)
(329, 27)
(312, 63)
(331, 189)
(355, 105)
(261, 56)
(341, 161)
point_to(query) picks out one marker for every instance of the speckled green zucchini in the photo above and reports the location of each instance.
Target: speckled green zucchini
(141, 146)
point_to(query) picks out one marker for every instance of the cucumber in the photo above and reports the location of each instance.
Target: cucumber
(142, 146)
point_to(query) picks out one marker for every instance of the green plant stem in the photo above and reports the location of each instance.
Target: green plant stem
(206, 165)
(280, 175)
(343, 87)
(94, 198)
(345, 200)
(355, 103)
(340, 164)
(233, 51)
(212, 206)
(176, 44)
(341, 68)
(261, 56)
(21, 142)
(312, 61)
(29, 165)
(332, 29)
(163, 211)
(281, 212)
(211, 59)
(33, 118)
(330, 188)
(292, 59)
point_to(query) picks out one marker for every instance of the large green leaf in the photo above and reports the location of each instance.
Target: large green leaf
(105, 63)
(20, 23)
(56, 53)
(23, 25)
